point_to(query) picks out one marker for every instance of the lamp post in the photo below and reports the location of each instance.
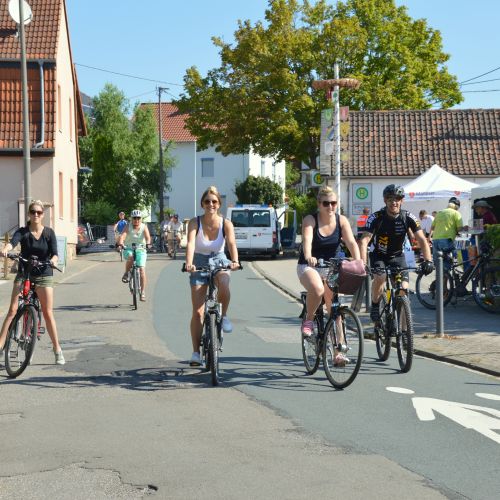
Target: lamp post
(333, 91)
(20, 11)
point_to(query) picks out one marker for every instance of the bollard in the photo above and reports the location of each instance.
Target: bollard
(439, 296)
(5, 260)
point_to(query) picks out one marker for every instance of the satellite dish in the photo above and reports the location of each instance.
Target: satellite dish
(14, 12)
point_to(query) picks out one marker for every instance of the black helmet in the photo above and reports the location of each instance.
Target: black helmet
(393, 190)
(454, 200)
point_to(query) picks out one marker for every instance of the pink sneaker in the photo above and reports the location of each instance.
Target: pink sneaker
(307, 328)
(340, 359)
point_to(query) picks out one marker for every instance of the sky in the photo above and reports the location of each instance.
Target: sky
(159, 39)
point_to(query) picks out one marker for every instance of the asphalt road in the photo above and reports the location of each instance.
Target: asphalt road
(126, 417)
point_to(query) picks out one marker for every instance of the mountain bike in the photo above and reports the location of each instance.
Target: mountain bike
(26, 327)
(483, 273)
(211, 337)
(395, 318)
(342, 333)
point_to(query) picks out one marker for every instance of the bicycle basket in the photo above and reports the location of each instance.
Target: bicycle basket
(351, 276)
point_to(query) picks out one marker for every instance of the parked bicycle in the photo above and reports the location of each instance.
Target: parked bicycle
(212, 337)
(341, 333)
(26, 327)
(395, 318)
(483, 273)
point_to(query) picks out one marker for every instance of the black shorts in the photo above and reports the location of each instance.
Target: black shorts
(382, 261)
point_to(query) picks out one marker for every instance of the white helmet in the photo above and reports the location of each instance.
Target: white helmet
(136, 213)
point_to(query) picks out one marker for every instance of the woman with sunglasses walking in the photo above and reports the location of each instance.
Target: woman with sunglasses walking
(40, 241)
(207, 236)
(322, 234)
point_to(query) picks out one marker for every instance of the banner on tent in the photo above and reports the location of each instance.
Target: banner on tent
(426, 195)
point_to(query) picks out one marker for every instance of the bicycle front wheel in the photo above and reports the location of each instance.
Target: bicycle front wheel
(21, 340)
(343, 336)
(135, 287)
(214, 350)
(404, 334)
(311, 349)
(383, 332)
(425, 288)
(486, 288)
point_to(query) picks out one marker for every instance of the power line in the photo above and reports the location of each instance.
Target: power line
(470, 91)
(139, 95)
(481, 81)
(479, 76)
(128, 76)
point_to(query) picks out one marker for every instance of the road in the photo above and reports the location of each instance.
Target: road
(127, 417)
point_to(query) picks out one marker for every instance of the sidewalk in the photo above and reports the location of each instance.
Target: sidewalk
(472, 336)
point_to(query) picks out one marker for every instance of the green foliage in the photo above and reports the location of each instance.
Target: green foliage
(123, 154)
(99, 212)
(259, 190)
(261, 97)
(493, 235)
(304, 204)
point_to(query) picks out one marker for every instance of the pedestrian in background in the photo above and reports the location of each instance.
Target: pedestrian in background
(483, 209)
(361, 222)
(426, 221)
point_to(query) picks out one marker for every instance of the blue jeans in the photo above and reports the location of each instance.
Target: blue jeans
(447, 247)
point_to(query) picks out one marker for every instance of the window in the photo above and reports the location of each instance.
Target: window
(207, 167)
(61, 196)
(70, 120)
(59, 117)
(262, 168)
(251, 218)
(72, 199)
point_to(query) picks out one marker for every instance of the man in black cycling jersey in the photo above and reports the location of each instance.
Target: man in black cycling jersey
(387, 230)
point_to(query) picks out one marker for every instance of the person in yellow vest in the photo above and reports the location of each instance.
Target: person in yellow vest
(361, 222)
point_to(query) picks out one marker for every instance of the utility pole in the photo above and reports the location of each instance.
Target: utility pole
(162, 172)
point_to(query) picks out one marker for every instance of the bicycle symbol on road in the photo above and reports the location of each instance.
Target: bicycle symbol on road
(481, 419)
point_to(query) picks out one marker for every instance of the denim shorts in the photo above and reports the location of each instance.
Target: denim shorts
(200, 260)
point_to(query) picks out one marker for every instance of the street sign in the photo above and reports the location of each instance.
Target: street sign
(316, 178)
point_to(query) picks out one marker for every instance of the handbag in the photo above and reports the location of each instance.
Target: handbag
(352, 273)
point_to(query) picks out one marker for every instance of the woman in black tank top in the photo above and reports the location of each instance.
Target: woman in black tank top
(321, 237)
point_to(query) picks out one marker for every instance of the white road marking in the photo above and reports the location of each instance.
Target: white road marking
(484, 395)
(400, 390)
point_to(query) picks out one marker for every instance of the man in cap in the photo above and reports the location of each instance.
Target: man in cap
(483, 209)
(445, 227)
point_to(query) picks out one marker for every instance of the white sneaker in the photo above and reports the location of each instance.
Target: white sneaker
(227, 326)
(59, 358)
(195, 359)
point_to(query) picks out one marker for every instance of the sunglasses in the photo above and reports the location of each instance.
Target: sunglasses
(329, 203)
(210, 202)
(36, 212)
(393, 200)
(136, 218)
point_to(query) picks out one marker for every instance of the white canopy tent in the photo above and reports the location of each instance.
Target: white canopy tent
(486, 190)
(432, 190)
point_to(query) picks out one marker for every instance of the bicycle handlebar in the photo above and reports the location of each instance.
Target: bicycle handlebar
(14, 256)
(206, 269)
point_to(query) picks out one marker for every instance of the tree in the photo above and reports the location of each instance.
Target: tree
(122, 154)
(260, 190)
(260, 98)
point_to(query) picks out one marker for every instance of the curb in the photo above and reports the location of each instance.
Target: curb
(420, 352)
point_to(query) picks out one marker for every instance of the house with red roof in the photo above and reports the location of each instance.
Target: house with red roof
(55, 120)
(195, 171)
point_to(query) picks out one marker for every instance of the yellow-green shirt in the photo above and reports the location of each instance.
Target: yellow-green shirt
(446, 224)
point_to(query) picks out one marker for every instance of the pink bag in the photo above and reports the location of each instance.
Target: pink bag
(351, 276)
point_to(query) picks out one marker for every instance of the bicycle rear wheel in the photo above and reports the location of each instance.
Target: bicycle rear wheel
(214, 350)
(311, 349)
(21, 340)
(486, 287)
(382, 332)
(404, 334)
(425, 288)
(342, 374)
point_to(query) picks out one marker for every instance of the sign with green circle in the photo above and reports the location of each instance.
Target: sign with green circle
(362, 193)
(317, 178)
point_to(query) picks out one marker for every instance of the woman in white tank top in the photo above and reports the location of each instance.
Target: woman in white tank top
(206, 238)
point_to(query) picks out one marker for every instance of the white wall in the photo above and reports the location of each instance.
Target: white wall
(227, 171)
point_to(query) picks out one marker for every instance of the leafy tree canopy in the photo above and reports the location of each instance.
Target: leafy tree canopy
(123, 154)
(261, 96)
(259, 190)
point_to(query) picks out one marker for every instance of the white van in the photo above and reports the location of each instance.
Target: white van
(258, 229)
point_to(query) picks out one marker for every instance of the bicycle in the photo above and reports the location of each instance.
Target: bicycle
(134, 281)
(483, 273)
(326, 340)
(26, 327)
(172, 245)
(211, 337)
(395, 318)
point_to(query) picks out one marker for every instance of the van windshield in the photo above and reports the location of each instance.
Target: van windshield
(251, 218)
